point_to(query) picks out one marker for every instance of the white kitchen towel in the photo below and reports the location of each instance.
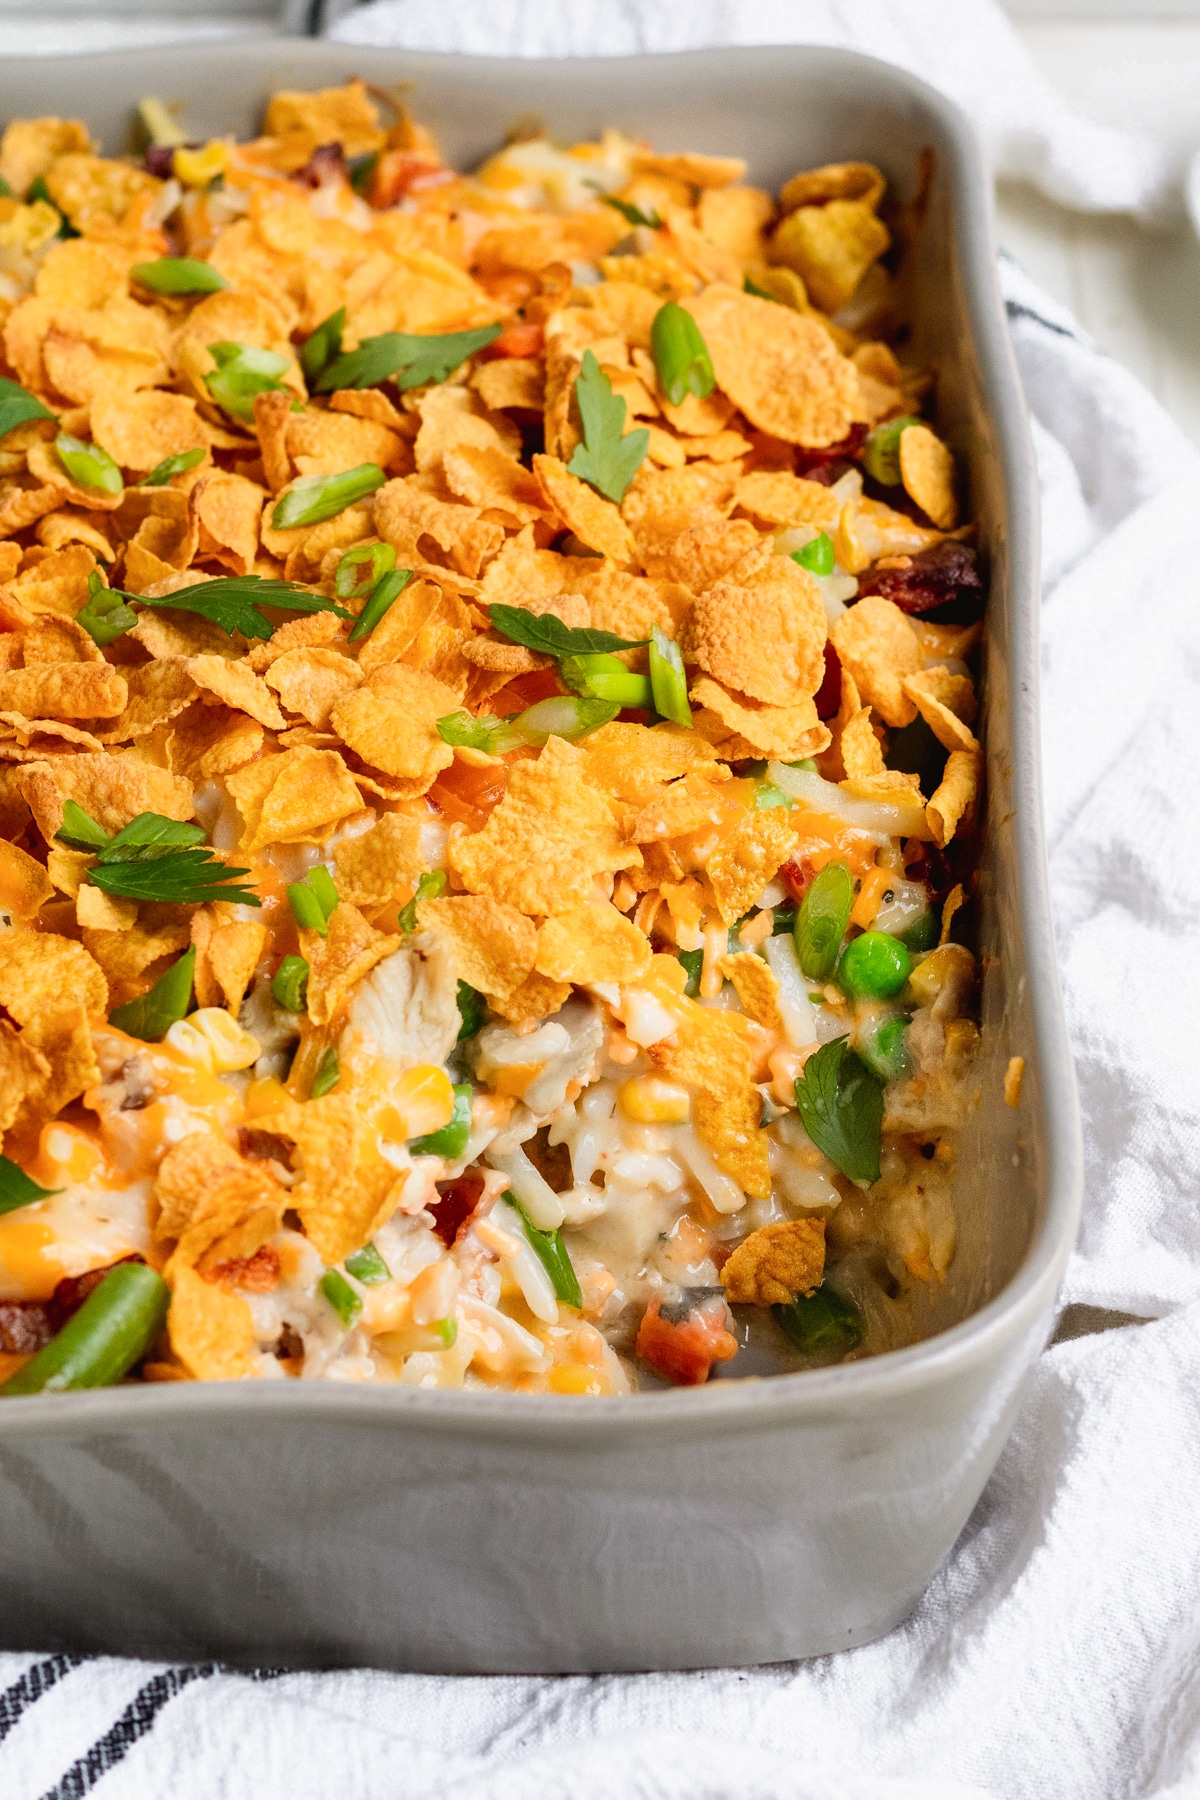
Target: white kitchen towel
(1057, 1654)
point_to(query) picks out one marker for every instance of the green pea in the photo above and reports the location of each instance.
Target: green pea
(875, 966)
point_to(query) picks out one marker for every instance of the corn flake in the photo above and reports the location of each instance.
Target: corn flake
(211, 1330)
(947, 704)
(214, 1203)
(711, 1053)
(789, 733)
(878, 646)
(390, 721)
(927, 471)
(372, 867)
(41, 973)
(776, 1263)
(778, 368)
(293, 796)
(594, 520)
(955, 797)
(112, 787)
(747, 858)
(25, 885)
(590, 943)
(761, 632)
(492, 944)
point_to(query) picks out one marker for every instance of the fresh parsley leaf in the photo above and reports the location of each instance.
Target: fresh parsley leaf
(325, 344)
(841, 1107)
(233, 601)
(472, 1010)
(18, 405)
(16, 1188)
(633, 214)
(185, 877)
(412, 359)
(546, 633)
(152, 1015)
(150, 832)
(609, 457)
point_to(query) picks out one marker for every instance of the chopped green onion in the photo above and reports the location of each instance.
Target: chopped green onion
(767, 795)
(327, 1075)
(922, 934)
(822, 920)
(784, 919)
(822, 1323)
(242, 371)
(79, 831)
(760, 293)
(680, 354)
(472, 1010)
(18, 1189)
(385, 591)
(18, 406)
(341, 1296)
(807, 764)
(633, 215)
(106, 616)
(6, 192)
(367, 1266)
(693, 962)
(319, 350)
(113, 1329)
(551, 1252)
(179, 275)
(667, 680)
(361, 169)
(317, 497)
(323, 886)
(378, 560)
(151, 1016)
(451, 1140)
(874, 965)
(817, 555)
(885, 1052)
(290, 983)
(309, 913)
(881, 453)
(604, 677)
(429, 887)
(569, 716)
(447, 1330)
(488, 733)
(162, 472)
(88, 465)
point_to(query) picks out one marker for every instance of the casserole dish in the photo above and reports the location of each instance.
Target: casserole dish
(504, 1532)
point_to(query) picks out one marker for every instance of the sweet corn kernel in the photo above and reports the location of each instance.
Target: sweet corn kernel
(649, 1100)
(574, 1378)
(232, 1048)
(184, 1037)
(421, 1101)
(264, 1097)
(434, 1292)
(410, 1340)
(196, 168)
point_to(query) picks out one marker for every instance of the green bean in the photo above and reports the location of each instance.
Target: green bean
(113, 1329)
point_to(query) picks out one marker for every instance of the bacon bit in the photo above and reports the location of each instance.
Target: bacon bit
(797, 876)
(257, 1274)
(685, 1351)
(520, 337)
(71, 1293)
(325, 166)
(24, 1327)
(455, 1204)
(945, 574)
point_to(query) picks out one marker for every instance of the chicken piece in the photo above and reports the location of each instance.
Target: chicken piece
(773, 1265)
(408, 1004)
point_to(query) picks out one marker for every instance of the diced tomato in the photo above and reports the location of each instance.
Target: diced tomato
(523, 691)
(685, 1352)
(466, 796)
(829, 694)
(520, 337)
(456, 1202)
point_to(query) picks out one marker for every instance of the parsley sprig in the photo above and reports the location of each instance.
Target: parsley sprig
(546, 633)
(233, 602)
(609, 456)
(631, 213)
(841, 1107)
(153, 858)
(411, 359)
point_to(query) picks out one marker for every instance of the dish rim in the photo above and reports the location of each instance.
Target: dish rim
(762, 1401)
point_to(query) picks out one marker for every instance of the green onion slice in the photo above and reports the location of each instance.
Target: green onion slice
(429, 887)
(325, 344)
(822, 920)
(680, 354)
(667, 679)
(378, 560)
(106, 616)
(386, 590)
(88, 465)
(367, 1266)
(551, 1252)
(817, 555)
(290, 983)
(152, 1015)
(324, 887)
(179, 275)
(486, 732)
(604, 677)
(307, 909)
(317, 497)
(18, 1189)
(341, 1296)
(162, 472)
(242, 371)
(451, 1140)
(327, 1075)
(693, 963)
(881, 453)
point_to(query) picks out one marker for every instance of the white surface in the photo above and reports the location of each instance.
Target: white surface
(1056, 1654)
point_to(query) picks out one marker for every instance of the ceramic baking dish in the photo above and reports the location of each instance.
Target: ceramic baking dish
(747, 1521)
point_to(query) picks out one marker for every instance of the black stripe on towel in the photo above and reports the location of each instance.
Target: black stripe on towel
(1017, 310)
(35, 1682)
(134, 1723)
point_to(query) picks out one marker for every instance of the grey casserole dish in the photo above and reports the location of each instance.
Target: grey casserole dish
(748, 1521)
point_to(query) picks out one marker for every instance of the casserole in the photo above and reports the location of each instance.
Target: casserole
(435, 1530)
